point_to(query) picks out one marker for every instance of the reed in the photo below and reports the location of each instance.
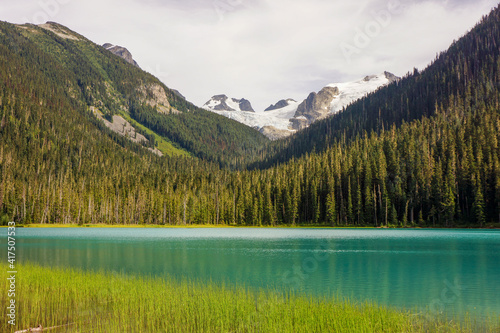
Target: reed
(80, 301)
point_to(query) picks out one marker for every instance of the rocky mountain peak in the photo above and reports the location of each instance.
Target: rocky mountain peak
(121, 52)
(60, 30)
(391, 77)
(287, 115)
(219, 97)
(315, 106)
(245, 105)
(224, 103)
(281, 104)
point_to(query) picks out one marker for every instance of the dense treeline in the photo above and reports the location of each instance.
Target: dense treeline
(432, 172)
(59, 164)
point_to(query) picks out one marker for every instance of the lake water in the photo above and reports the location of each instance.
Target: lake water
(452, 271)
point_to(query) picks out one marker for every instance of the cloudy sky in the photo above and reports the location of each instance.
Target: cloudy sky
(263, 50)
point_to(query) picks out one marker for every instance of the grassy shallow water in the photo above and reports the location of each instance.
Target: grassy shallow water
(77, 301)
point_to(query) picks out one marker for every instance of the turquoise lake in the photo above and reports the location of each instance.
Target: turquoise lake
(450, 271)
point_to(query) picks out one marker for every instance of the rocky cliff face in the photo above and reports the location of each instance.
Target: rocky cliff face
(121, 52)
(154, 95)
(60, 30)
(314, 107)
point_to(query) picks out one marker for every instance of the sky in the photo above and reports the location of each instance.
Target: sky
(263, 50)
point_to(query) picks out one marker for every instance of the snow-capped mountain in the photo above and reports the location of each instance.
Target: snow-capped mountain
(287, 116)
(224, 103)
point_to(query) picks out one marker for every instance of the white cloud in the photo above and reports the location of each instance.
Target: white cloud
(263, 50)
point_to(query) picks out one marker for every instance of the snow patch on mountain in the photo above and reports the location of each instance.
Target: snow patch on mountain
(336, 96)
(352, 91)
(279, 118)
(283, 119)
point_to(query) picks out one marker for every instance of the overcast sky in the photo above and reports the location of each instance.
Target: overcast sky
(263, 50)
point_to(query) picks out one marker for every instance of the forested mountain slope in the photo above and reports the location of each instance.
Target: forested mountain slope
(58, 162)
(113, 89)
(467, 70)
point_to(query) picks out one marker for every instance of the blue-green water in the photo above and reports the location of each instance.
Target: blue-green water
(452, 271)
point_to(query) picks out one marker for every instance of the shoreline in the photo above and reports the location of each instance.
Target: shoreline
(211, 226)
(207, 226)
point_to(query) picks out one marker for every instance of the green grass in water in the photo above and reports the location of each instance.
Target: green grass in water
(76, 301)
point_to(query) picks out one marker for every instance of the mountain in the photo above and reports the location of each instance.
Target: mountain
(121, 52)
(133, 103)
(419, 94)
(77, 126)
(288, 116)
(178, 93)
(224, 103)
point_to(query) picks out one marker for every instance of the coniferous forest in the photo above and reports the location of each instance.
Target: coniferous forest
(423, 151)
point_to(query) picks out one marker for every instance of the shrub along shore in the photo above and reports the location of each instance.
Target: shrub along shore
(78, 301)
